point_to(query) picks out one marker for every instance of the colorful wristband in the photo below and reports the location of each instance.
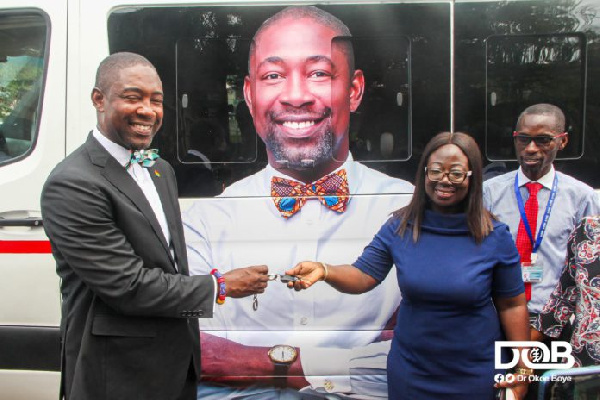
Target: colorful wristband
(221, 281)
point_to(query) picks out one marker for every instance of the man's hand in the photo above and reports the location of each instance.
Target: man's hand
(243, 282)
(225, 361)
(236, 364)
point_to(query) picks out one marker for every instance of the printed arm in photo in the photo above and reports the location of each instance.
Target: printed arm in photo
(360, 370)
(223, 360)
(366, 374)
(239, 365)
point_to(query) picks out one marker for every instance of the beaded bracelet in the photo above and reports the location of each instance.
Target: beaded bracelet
(221, 281)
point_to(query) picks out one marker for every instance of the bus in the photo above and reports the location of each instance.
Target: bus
(429, 66)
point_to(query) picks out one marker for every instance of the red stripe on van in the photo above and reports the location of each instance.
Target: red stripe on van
(25, 246)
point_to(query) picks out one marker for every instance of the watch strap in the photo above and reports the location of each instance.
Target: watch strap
(281, 374)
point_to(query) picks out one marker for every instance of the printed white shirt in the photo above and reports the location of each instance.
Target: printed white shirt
(337, 333)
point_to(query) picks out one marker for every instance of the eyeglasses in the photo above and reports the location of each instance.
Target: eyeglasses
(542, 140)
(454, 175)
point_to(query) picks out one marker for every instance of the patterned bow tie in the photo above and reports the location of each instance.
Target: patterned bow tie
(331, 190)
(146, 158)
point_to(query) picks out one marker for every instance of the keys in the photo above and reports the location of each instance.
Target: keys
(274, 277)
(283, 278)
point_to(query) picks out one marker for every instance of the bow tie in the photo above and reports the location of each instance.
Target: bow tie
(331, 190)
(146, 158)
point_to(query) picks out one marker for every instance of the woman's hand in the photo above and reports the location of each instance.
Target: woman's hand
(520, 390)
(309, 272)
(518, 386)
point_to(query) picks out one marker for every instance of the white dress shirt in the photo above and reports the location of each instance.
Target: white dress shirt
(337, 333)
(142, 178)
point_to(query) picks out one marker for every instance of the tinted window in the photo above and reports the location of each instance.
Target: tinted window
(527, 52)
(22, 51)
(528, 69)
(574, 383)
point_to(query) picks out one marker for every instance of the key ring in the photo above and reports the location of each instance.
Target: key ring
(274, 277)
(283, 278)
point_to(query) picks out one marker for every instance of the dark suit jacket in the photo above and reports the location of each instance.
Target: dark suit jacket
(125, 307)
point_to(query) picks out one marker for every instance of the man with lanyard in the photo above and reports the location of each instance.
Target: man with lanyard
(526, 200)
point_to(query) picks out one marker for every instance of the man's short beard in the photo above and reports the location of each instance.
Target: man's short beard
(302, 157)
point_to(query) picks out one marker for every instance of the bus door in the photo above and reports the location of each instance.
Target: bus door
(33, 39)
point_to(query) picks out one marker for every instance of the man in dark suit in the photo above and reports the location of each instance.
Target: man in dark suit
(128, 302)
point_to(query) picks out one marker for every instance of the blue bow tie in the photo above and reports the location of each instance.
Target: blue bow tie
(146, 158)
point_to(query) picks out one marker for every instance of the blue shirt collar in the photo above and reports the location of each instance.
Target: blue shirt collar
(545, 180)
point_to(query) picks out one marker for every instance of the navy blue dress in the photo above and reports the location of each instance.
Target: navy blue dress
(443, 345)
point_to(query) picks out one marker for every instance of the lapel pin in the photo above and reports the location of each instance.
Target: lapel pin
(157, 173)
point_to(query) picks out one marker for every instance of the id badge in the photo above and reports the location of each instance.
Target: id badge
(532, 272)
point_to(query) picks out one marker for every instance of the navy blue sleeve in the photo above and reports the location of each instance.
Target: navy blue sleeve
(508, 281)
(376, 259)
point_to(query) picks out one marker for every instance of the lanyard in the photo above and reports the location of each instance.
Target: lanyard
(540, 235)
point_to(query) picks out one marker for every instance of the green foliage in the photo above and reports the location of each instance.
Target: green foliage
(16, 79)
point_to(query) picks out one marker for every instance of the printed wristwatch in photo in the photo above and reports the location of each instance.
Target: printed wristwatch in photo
(282, 356)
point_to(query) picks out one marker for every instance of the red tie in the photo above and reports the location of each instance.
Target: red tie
(524, 245)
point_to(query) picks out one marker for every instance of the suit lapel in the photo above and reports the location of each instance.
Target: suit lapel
(168, 197)
(120, 179)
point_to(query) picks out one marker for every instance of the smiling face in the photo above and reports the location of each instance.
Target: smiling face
(300, 92)
(130, 111)
(536, 161)
(447, 197)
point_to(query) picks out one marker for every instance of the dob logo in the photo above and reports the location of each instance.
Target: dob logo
(556, 357)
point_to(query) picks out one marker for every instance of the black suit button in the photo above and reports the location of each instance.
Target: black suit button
(200, 313)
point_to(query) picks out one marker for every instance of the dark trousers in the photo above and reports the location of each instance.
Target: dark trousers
(190, 391)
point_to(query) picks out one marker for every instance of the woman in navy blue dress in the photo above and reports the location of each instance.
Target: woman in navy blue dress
(459, 274)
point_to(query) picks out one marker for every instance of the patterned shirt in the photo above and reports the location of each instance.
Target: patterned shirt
(578, 293)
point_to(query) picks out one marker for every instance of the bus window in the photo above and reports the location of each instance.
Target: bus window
(522, 70)
(22, 48)
(382, 130)
(214, 126)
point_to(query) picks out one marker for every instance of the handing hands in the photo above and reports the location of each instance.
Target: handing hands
(243, 282)
(309, 272)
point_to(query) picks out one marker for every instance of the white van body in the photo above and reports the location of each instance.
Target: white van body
(457, 93)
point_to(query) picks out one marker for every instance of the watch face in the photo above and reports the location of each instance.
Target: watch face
(282, 354)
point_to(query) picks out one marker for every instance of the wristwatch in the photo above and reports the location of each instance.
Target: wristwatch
(282, 356)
